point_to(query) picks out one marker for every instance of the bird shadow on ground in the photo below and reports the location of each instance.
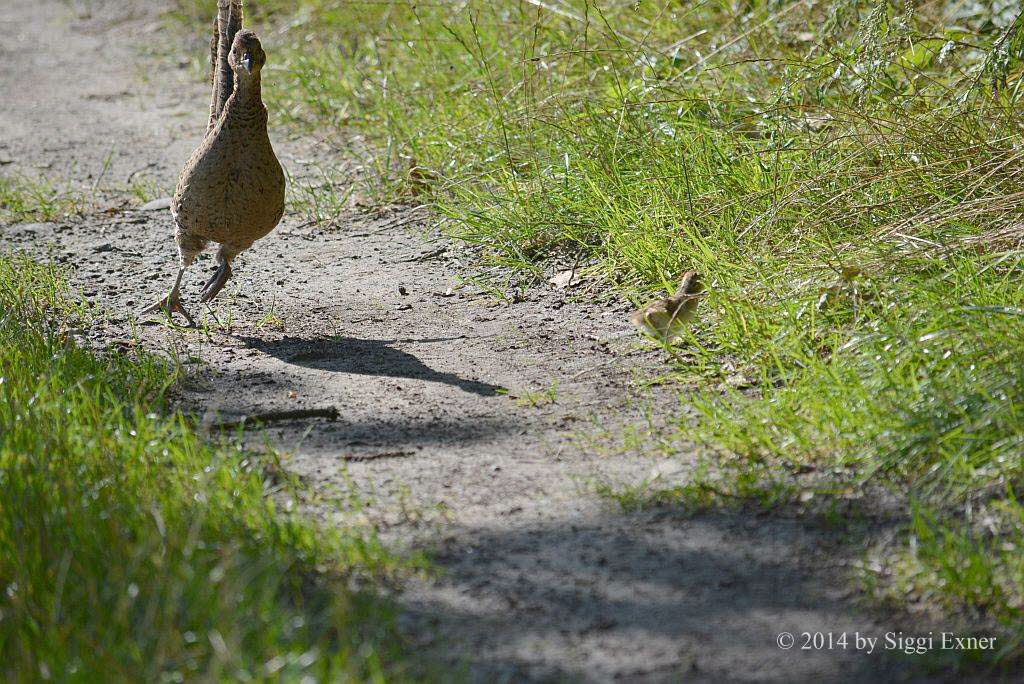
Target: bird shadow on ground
(364, 357)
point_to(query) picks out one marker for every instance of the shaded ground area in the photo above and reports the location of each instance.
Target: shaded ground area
(440, 438)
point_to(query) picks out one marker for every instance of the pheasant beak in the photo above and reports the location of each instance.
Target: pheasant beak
(247, 62)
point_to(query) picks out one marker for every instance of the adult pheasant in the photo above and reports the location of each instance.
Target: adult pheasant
(231, 190)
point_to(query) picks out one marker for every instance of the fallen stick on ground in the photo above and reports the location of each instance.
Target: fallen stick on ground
(373, 457)
(331, 413)
(426, 256)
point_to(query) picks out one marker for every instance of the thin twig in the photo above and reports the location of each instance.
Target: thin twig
(592, 368)
(398, 224)
(331, 413)
(426, 256)
(359, 458)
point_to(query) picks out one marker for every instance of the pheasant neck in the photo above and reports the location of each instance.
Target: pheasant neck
(247, 100)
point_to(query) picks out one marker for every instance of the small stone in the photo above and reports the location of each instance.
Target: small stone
(563, 279)
(157, 204)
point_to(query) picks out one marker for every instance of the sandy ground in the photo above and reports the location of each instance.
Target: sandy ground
(542, 579)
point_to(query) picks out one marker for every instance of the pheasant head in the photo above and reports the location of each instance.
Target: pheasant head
(247, 56)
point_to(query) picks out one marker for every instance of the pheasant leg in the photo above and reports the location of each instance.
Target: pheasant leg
(171, 303)
(217, 281)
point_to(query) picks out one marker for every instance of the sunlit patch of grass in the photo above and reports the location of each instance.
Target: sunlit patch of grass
(528, 398)
(145, 190)
(320, 198)
(26, 199)
(132, 548)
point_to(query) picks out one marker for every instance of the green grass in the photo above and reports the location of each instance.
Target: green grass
(131, 548)
(26, 199)
(144, 190)
(527, 398)
(847, 176)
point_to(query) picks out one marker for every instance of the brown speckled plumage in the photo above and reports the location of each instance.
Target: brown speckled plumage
(231, 190)
(666, 318)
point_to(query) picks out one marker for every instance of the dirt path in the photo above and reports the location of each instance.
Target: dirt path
(544, 579)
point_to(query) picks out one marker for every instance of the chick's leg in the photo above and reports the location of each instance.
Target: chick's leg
(220, 277)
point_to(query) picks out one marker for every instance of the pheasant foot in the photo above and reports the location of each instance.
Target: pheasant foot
(216, 282)
(170, 304)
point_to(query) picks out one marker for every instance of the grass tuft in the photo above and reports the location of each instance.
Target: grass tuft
(25, 199)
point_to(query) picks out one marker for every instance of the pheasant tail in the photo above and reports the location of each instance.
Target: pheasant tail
(213, 75)
(227, 24)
